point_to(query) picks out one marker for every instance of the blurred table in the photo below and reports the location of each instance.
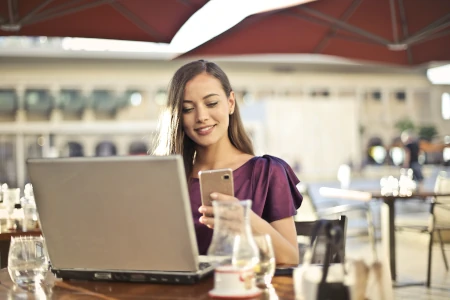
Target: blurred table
(283, 289)
(388, 221)
(5, 239)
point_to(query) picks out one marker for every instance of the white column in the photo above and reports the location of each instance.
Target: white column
(385, 99)
(88, 113)
(20, 160)
(359, 103)
(409, 94)
(21, 115)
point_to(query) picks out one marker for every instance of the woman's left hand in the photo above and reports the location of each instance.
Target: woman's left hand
(208, 211)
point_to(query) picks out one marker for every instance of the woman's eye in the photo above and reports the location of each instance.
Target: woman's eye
(212, 104)
(186, 109)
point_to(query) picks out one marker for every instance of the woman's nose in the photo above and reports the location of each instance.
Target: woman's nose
(202, 115)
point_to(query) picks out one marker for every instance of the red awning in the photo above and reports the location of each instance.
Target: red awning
(402, 32)
(138, 20)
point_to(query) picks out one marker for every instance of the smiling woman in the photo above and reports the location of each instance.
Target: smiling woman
(202, 123)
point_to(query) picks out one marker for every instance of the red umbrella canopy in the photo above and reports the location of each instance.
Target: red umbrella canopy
(402, 32)
(139, 20)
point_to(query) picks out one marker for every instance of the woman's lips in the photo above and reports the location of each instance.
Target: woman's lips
(205, 130)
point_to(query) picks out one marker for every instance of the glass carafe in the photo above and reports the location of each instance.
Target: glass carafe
(233, 250)
(232, 241)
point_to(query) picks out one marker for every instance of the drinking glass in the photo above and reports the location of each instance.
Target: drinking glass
(28, 262)
(265, 270)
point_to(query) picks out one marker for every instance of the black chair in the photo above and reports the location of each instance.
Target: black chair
(360, 201)
(105, 148)
(305, 229)
(138, 148)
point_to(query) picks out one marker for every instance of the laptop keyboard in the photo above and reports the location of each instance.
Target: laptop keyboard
(204, 265)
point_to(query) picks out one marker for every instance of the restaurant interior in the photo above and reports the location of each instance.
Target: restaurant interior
(328, 86)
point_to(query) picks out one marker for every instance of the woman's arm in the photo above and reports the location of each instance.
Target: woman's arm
(282, 232)
(283, 235)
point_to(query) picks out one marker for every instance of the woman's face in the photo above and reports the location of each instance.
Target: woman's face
(206, 110)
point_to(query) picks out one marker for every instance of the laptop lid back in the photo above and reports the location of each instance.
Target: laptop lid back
(115, 213)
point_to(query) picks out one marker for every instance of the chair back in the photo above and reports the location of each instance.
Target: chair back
(305, 229)
(442, 206)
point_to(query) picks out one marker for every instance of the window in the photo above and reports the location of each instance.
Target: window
(8, 101)
(397, 155)
(377, 154)
(445, 106)
(104, 101)
(72, 100)
(38, 101)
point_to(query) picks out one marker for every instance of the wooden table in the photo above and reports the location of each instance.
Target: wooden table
(388, 221)
(283, 289)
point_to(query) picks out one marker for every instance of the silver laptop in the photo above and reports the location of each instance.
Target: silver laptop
(117, 218)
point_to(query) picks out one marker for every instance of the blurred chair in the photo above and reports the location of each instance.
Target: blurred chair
(439, 220)
(138, 148)
(74, 149)
(304, 229)
(105, 148)
(362, 203)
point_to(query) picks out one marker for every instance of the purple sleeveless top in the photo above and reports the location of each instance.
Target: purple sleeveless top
(268, 181)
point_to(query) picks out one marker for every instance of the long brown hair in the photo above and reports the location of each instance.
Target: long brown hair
(172, 138)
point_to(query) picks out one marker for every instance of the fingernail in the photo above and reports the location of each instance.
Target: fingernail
(201, 209)
(213, 195)
(202, 220)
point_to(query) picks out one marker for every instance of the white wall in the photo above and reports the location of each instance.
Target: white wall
(321, 134)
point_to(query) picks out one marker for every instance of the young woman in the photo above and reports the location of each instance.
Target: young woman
(202, 123)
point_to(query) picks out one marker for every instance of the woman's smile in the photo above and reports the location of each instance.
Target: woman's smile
(205, 130)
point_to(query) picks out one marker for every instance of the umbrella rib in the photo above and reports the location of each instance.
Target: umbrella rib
(431, 37)
(356, 39)
(344, 25)
(34, 11)
(433, 27)
(323, 23)
(46, 17)
(394, 20)
(137, 21)
(69, 4)
(185, 2)
(332, 32)
(430, 32)
(401, 9)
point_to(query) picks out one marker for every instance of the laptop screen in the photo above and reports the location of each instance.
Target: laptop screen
(115, 213)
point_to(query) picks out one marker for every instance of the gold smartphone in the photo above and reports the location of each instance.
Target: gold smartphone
(219, 181)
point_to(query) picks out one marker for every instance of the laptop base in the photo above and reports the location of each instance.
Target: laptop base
(172, 278)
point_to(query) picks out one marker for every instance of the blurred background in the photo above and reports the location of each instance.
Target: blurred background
(321, 83)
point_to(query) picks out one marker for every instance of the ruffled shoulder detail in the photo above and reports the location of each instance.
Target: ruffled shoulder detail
(275, 180)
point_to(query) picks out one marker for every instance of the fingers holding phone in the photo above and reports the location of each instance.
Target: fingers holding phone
(230, 217)
(215, 181)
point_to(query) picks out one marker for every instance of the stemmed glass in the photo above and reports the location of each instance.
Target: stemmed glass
(28, 262)
(265, 270)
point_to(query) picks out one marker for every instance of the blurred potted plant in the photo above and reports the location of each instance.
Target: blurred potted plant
(427, 132)
(405, 124)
